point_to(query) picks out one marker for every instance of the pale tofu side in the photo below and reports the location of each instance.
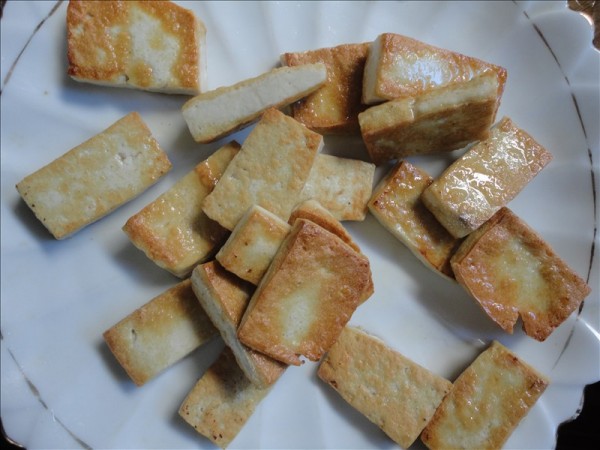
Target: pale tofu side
(94, 178)
(225, 297)
(396, 204)
(439, 121)
(312, 288)
(393, 392)
(343, 186)
(486, 403)
(488, 176)
(173, 231)
(216, 113)
(155, 46)
(511, 271)
(334, 107)
(270, 170)
(222, 401)
(253, 243)
(398, 66)
(160, 333)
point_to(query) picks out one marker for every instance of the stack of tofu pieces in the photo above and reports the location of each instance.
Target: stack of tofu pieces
(255, 233)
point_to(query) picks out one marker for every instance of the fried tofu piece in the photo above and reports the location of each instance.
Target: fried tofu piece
(307, 296)
(393, 392)
(511, 271)
(334, 107)
(155, 46)
(488, 176)
(396, 204)
(216, 113)
(94, 178)
(438, 121)
(173, 231)
(398, 66)
(222, 401)
(486, 403)
(160, 333)
(225, 297)
(342, 185)
(253, 243)
(315, 212)
(270, 170)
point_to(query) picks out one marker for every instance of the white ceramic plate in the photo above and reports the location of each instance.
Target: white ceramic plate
(61, 387)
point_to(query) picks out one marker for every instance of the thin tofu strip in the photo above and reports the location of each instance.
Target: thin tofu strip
(216, 113)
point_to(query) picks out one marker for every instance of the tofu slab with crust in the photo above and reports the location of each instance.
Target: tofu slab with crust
(225, 297)
(160, 333)
(253, 243)
(511, 271)
(486, 403)
(485, 178)
(94, 178)
(155, 46)
(396, 204)
(399, 66)
(334, 107)
(216, 113)
(437, 121)
(393, 392)
(222, 401)
(173, 231)
(270, 170)
(312, 288)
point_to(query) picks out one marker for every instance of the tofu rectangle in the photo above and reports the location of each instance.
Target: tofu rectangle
(488, 176)
(343, 186)
(511, 271)
(270, 170)
(439, 121)
(398, 66)
(216, 113)
(309, 293)
(222, 401)
(334, 107)
(160, 333)
(155, 46)
(94, 178)
(173, 231)
(486, 403)
(225, 297)
(253, 243)
(393, 392)
(396, 204)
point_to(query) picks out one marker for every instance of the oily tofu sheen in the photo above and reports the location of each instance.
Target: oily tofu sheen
(309, 293)
(96, 177)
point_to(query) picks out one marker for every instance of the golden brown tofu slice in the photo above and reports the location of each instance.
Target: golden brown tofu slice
(225, 297)
(393, 392)
(156, 46)
(438, 121)
(396, 204)
(486, 402)
(94, 178)
(160, 333)
(399, 66)
(511, 271)
(222, 401)
(173, 231)
(307, 296)
(488, 176)
(334, 107)
(253, 243)
(270, 170)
